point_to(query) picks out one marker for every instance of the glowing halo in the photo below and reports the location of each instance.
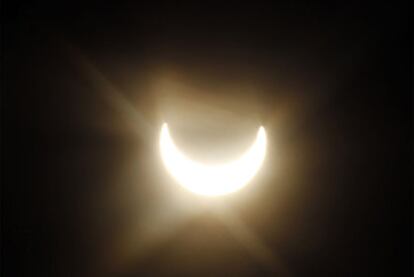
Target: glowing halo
(215, 179)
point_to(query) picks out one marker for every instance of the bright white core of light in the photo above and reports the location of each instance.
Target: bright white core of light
(212, 179)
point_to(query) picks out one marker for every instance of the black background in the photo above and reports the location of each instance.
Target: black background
(356, 57)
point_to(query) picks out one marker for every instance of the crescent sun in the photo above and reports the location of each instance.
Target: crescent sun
(212, 179)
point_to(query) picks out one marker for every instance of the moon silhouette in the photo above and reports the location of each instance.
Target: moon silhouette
(212, 179)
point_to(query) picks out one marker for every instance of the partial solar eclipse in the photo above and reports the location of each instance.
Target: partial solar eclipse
(212, 179)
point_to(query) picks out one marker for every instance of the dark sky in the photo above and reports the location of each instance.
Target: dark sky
(86, 87)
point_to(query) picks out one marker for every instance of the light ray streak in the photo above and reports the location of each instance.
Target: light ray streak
(251, 242)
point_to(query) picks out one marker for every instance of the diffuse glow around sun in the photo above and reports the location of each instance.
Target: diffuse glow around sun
(212, 179)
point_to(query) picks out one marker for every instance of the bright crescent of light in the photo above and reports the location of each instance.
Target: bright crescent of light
(217, 179)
